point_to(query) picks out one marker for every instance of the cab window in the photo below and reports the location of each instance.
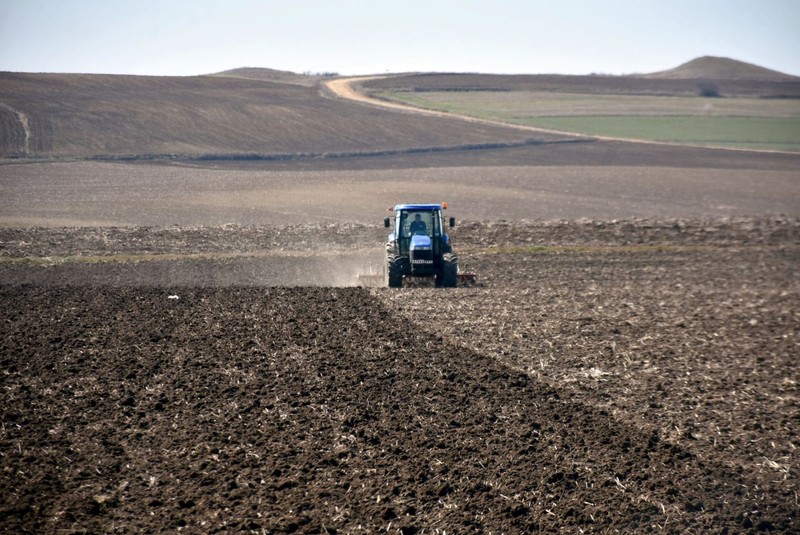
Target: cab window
(412, 222)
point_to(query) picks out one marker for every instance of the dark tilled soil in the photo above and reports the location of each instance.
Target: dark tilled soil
(623, 376)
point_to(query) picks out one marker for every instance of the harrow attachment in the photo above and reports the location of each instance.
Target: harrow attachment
(467, 278)
(376, 278)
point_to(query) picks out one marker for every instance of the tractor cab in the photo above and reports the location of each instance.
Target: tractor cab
(419, 245)
(418, 224)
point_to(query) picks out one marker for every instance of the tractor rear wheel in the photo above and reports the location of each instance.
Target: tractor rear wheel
(394, 271)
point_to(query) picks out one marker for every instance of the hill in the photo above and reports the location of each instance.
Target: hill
(274, 75)
(716, 68)
(730, 78)
(83, 115)
(271, 114)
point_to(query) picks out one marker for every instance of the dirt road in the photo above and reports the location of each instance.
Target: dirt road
(344, 88)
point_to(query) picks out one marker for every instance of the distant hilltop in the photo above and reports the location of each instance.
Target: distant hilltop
(268, 113)
(702, 68)
(716, 68)
(274, 75)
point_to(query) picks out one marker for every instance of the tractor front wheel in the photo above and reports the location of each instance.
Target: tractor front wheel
(449, 271)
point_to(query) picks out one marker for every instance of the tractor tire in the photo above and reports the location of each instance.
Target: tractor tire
(449, 271)
(394, 271)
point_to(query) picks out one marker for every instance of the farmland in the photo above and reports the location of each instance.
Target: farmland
(183, 347)
(596, 180)
(140, 117)
(246, 403)
(730, 122)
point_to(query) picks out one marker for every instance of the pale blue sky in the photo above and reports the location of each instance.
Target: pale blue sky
(185, 37)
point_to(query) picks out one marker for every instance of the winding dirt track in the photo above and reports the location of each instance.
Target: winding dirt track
(344, 88)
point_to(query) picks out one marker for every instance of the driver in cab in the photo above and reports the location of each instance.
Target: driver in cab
(418, 226)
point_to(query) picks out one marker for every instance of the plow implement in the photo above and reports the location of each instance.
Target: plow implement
(376, 278)
(467, 278)
(372, 278)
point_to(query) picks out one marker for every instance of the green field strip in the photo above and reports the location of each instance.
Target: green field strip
(753, 131)
(758, 124)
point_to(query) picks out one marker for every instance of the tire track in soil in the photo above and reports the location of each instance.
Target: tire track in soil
(22, 138)
(311, 410)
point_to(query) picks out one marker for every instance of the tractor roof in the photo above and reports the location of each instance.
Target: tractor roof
(418, 207)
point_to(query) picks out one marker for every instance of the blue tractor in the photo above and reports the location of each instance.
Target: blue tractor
(419, 245)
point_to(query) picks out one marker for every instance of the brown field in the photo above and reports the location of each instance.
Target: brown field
(637, 376)
(55, 115)
(598, 180)
(266, 114)
(182, 347)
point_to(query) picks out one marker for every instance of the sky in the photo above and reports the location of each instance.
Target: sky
(349, 37)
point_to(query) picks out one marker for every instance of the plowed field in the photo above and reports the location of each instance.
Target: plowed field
(634, 376)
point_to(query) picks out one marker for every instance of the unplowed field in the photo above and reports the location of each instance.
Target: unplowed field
(634, 376)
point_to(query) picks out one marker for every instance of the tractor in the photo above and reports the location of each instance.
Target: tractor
(419, 247)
